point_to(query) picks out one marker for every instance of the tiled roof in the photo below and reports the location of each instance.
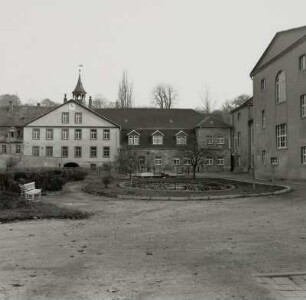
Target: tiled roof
(20, 115)
(212, 122)
(152, 118)
(145, 139)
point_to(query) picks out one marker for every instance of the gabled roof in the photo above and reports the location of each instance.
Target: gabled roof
(133, 131)
(281, 43)
(181, 132)
(21, 115)
(212, 122)
(157, 132)
(152, 118)
(249, 102)
(77, 103)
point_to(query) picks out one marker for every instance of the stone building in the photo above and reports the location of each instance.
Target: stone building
(243, 138)
(279, 103)
(73, 134)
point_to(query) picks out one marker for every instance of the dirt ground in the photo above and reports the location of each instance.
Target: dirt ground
(154, 250)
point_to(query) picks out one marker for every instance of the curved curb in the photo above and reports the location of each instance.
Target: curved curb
(285, 189)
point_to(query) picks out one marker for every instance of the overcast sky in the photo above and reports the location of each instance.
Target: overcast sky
(192, 44)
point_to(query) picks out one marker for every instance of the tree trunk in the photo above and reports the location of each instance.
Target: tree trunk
(194, 172)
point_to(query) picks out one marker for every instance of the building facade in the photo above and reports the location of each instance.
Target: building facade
(279, 88)
(243, 138)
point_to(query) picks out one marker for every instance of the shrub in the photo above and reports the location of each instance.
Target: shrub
(106, 180)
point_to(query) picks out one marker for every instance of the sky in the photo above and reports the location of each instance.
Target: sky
(194, 45)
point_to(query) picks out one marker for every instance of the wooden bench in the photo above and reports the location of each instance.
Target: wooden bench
(29, 191)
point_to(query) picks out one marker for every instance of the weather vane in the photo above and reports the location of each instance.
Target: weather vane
(80, 68)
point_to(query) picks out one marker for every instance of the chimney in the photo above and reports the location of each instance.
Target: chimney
(65, 98)
(90, 102)
(11, 106)
(38, 104)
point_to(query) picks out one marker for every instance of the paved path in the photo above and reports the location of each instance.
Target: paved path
(154, 250)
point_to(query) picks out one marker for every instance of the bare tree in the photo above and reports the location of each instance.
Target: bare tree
(125, 92)
(127, 161)
(229, 105)
(207, 102)
(164, 96)
(101, 102)
(194, 153)
(6, 98)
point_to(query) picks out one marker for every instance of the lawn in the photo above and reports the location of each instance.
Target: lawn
(15, 208)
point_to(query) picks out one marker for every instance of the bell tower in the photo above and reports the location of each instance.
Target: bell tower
(79, 92)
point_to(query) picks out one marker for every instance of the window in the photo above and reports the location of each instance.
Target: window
(18, 149)
(36, 134)
(181, 139)
(78, 118)
(209, 161)
(238, 138)
(65, 117)
(187, 161)
(263, 157)
(133, 139)
(77, 152)
(64, 151)
(302, 62)
(65, 134)
(35, 151)
(106, 152)
(220, 140)
(4, 148)
(220, 161)
(106, 134)
(281, 136)
(93, 134)
(176, 161)
(157, 161)
(209, 139)
(303, 155)
(78, 134)
(11, 134)
(49, 151)
(49, 134)
(157, 139)
(280, 87)
(263, 118)
(93, 152)
(238, 116)
(274, 160)
(263, 84)
(303, 106)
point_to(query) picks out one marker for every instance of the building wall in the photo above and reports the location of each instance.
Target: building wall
(243, 149)
(289, 159)
(215, 150)
(53, 120)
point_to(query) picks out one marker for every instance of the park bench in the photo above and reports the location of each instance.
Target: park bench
(29, 191)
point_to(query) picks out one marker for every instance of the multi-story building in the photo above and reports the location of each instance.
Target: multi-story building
(243, 138)
(73, 134)
(279, 102)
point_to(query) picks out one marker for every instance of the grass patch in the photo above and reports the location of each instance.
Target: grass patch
(14, 208)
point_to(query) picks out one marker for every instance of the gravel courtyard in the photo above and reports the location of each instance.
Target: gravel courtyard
(155, 250)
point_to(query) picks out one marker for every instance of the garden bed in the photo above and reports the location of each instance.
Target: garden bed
(215, 187)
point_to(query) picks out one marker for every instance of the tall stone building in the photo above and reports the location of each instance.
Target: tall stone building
(279, 102)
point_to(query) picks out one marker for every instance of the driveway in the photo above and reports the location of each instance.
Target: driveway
(154, 250)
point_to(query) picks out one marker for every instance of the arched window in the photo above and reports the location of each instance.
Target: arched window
(280, 87)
